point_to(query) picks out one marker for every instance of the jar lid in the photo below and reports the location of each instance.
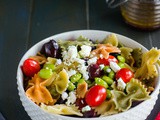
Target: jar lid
(115, 3)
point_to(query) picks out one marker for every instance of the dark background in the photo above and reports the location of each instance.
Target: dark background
(25, 22)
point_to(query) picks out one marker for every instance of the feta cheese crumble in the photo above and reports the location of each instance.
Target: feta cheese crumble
(85, 51)
(101, 66)
(71, 99)
(86, 108)
(70, 55)
(58, 61)
(108, 70)
(92, 60)
(71, 72)
(101, 56)
(121, 84)
(114, 66)
(83, 69)
(64, 95)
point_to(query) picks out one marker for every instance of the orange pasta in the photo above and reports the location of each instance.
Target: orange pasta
(38, 92)
(103, 50)
(81, 89)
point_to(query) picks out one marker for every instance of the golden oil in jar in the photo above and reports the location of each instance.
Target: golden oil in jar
(143, 14)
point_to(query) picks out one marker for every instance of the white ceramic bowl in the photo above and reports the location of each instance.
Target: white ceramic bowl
(139, 112)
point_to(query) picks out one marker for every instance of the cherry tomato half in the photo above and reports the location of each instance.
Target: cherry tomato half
(125, 73)
(30, 67)
(95, 95)
(106, 61)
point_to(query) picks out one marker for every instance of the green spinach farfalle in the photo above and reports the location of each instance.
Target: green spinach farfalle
(134, 91)
(106, 108)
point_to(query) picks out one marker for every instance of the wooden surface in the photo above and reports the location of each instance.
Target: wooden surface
(25, 22)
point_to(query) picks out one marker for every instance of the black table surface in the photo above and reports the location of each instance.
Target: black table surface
(25, 22)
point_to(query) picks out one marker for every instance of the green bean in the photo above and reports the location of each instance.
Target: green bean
(111, 75)
(71, 86)
(99, 81)
(121, 59)
(107, 79)
(74, 78)
(109, 95)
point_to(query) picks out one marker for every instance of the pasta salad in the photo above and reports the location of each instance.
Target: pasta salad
(82, 78)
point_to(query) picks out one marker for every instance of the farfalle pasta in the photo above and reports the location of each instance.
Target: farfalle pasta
(107, 108)
(62, 109)
(104, 50)
(111, 39)
(82, 78)
(134, 91)
(38, 92)
(60, 81)
(148, 69)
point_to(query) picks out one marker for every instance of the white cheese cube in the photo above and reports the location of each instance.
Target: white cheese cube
(86, 108)
(121, 84)
(64, 96)
(114, 66)
(58, 61)
(85, 51)
(101, 66)
(71, 72)
(72, 52)
(92, 60)
(71, 99)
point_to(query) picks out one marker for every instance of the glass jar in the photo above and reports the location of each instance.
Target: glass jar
(143, 14)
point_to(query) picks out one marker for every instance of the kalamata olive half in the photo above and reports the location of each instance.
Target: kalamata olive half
(50, 49)
(94, 71)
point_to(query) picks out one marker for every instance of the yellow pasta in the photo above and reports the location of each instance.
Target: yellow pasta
(62, 109)
(148, 69)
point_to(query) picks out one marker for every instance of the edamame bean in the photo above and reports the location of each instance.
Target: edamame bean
(106, 69)
(108, 80)
(99, 81)
(81, 80)
(111, 75)
(121, 65)
(121, 58)
(49, 66)
(45, 73)
(74, 78)
(109, 95)
(71, 86)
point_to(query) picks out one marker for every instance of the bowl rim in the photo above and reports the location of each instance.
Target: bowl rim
(20, 82)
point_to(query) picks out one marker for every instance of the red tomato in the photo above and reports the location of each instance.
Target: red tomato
(158, 116)
(125, 73)
(30, 67)
(95, 95)
(106, 61)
